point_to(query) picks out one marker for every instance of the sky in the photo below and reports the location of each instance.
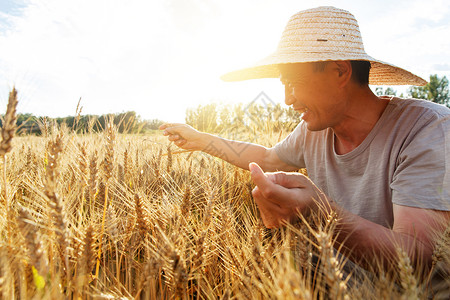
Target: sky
(159, 58)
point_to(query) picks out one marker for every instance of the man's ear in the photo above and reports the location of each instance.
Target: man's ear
(344, 71)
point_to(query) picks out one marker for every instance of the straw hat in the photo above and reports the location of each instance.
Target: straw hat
(323, 34)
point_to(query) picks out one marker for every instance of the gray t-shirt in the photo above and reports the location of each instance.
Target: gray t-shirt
(405, 160)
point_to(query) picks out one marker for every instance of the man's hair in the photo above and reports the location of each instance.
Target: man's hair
(360, 70)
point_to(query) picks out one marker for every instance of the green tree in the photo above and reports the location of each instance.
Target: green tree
(436, 90)
(379, 91)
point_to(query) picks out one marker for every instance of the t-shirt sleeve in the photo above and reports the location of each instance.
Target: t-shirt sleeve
(290, 150)
(422, 177)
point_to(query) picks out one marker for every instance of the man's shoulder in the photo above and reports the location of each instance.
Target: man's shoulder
(419, 106)
(409, 121)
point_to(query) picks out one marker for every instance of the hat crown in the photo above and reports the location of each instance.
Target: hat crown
(323, 30)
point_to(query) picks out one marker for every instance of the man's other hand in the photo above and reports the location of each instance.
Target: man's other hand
(282, 196)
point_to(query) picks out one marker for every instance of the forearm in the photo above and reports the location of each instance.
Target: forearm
(237, 153)
(371, 245)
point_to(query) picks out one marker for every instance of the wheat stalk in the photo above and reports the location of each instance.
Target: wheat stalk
(57, 212)
(108, 172)
(34, 245)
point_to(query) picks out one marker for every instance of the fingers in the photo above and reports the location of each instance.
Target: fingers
(281, 196)
(265, 184)
(176, 130)
(288, 180)
(258, 176)
(176, 139)
(182, 135)
(169, 128)
(173, 135)
(180, 143)
(269, 219)
(168, 125)
(271, 213)
(276, 195)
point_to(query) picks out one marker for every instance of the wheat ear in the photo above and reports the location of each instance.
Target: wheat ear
(83, 166)
(8, 131)
(33, 244)
(9, 123)
(407, 278)
(333, 274)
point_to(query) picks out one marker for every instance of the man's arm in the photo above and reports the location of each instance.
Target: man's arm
(415, 231)
(237, 153)
(281, 196)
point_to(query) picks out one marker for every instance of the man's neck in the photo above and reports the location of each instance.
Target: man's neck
(364, 111)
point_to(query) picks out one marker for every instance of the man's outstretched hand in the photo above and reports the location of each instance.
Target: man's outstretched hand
(282, 196)
(184, 136)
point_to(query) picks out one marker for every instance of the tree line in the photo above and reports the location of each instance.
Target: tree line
(436, 90)
(126, 122)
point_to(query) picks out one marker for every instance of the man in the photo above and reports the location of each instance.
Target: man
(381, 164)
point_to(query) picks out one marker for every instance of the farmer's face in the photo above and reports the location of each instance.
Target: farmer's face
(314, 94)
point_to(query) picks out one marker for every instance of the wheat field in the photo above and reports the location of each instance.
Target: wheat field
(117, 216)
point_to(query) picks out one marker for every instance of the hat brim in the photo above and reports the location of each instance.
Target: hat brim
(381, 73)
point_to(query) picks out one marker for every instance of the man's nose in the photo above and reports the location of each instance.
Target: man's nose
(289, 98)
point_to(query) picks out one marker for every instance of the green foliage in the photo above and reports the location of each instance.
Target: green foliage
(379, 91)
(436, 90)
(418, 92)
